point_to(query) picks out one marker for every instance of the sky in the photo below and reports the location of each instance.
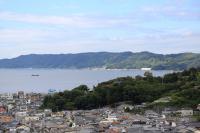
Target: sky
(74, 26)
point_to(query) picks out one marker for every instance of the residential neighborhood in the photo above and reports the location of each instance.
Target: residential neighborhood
(20, 113)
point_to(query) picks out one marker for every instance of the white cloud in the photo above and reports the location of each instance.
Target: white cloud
(171, 12)
(85, 33)
(73, 20)
(18, 36)
(25, 41)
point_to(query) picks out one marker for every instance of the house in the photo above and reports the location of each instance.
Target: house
(79, 121)
(143, 105)
(28, 101)
(185, 112)
(40, 115)
(6, 118)
(11, 127)
(8, 96)
(23, 108)
(10, 101)
(57, 114)
(32, 118)
(20, 115)
(124, 107)
(23, 128)
(2, 109)
(47, 112)
(21, 95)
(151, 114)
(198, 106)
(112, 117)
(168, 111)
(33, 97)
(114, 130)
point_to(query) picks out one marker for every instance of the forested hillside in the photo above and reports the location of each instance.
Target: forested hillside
(183, 88)
(124, 60)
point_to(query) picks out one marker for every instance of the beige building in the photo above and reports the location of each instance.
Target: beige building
(32, 118)
(5, 118)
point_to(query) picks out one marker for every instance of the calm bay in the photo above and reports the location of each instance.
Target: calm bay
(41, 80)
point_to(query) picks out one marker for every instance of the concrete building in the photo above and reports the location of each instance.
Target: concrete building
(20, 115)
(185, 112)
(8, 96)
(32, 118)
(21, 95)
(23, 108)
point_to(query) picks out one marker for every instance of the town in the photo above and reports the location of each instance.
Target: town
(20, 113)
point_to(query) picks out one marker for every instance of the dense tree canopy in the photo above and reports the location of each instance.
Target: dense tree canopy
(182, 87)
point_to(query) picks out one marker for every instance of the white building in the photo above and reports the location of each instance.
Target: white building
(28, 101)
(10, 106)
(112, 117)
(20, 115)
(8, 96)
(32, 118)
(23, 108)
(185, 112)
(146, 69)
(47, 112)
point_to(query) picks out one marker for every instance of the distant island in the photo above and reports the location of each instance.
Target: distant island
(107, 60)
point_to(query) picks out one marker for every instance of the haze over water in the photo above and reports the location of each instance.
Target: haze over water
(12, 80)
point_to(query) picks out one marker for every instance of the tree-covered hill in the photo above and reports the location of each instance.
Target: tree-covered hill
(183, 88)
(124, 60)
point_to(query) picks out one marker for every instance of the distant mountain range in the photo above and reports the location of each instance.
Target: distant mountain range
(123, 60)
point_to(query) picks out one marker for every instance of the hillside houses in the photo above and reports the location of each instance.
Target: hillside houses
(24, 115)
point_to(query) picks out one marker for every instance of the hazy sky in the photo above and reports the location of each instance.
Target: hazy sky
(73, 26)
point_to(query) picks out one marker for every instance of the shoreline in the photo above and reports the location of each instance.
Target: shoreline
(93, 69)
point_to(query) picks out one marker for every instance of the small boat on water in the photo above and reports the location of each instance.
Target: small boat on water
(35, 75)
